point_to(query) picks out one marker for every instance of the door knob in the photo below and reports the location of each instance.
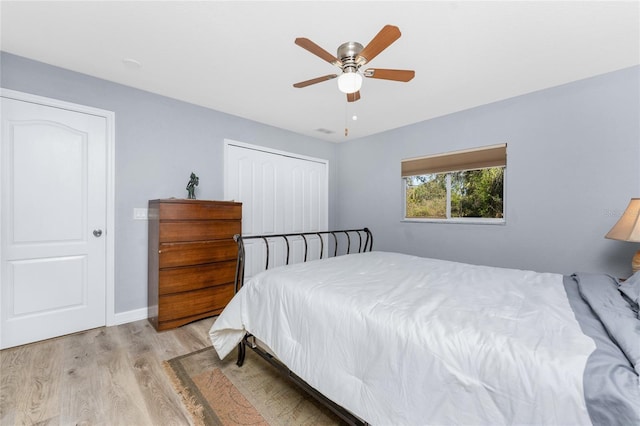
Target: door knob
(97, 232)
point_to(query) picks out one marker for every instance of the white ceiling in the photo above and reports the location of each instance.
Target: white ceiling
(239, 57)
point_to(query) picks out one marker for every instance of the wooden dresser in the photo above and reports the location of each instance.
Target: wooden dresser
(192, 259)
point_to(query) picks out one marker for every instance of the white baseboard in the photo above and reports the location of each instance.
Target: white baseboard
(129, 316)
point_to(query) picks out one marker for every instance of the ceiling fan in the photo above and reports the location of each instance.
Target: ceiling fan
(351, 56)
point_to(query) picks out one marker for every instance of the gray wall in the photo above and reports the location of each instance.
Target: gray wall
(573, 155)
(159, 142)
(572, 165)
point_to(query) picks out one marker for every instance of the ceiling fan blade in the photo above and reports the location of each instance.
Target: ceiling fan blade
(387, 35)
(307, 44)
(315, 80)
(352, 97)
(396, 75)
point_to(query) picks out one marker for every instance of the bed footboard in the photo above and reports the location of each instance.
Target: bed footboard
(345, 241)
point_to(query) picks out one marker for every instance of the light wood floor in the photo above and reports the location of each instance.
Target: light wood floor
(103, 376)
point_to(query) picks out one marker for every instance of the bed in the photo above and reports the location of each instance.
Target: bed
(389, 338)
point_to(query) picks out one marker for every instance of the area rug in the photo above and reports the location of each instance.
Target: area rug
(219, 392)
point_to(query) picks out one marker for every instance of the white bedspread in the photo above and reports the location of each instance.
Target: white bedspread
(399, 339)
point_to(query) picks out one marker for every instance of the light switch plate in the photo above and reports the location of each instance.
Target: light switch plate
(140, 213)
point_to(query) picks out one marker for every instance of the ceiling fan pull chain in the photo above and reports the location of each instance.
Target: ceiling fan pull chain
(346, 127)
(346, 114)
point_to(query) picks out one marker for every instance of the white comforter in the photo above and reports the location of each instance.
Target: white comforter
(399, 339)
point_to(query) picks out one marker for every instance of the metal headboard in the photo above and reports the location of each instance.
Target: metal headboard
(364, 239)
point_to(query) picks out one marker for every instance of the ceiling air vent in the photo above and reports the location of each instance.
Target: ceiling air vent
(325, 131)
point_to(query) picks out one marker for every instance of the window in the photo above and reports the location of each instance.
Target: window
(457, 186)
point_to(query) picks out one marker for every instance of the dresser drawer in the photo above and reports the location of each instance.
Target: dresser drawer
(175, 280)
(199, 210)
(197, 253)
(194, 303)
(199, 230)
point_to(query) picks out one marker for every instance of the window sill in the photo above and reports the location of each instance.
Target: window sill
(466, 221)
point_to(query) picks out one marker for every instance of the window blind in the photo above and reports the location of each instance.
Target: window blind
(469, 159)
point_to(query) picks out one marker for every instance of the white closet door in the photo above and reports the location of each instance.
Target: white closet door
(53, 256)
(280, 193)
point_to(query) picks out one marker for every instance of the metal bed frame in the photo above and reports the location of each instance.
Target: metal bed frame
(364, 244)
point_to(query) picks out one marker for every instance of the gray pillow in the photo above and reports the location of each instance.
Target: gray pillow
(631, 290)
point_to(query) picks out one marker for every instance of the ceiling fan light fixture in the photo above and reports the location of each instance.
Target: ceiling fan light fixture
(349, 81)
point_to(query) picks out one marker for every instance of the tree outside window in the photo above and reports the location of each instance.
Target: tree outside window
(461, 194)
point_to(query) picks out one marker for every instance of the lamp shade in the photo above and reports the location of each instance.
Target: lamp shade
(349, 82)
(628, 226)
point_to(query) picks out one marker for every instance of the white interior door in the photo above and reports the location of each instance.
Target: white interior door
(53, 224)
(280, 193)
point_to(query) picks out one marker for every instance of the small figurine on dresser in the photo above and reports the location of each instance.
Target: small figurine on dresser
(191, 186)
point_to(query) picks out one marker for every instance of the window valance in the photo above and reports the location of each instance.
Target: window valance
(468, 159)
